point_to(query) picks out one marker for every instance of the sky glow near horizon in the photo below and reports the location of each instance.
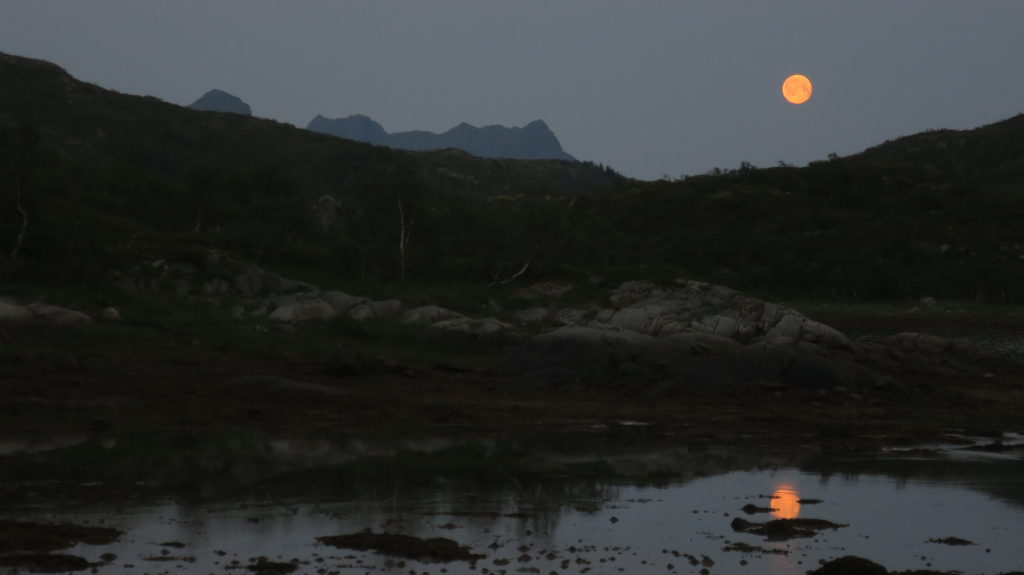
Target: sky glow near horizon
(650, 88)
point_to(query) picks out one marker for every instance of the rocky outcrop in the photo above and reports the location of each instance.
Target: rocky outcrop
(429, 314)
(673, 337)
(221, 101)
(58, 315)
(689, 306)
(325, 305)
(664, 338)
(368, 310)
(41, 312)
(300, 307)
(535, 141)
(487, 330)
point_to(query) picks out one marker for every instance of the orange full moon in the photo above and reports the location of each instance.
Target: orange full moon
(797, 89)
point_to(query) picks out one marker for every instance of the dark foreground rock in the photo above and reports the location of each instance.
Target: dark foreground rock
(850, 565)
(44, 562)
(434, 549)
(952, 541)
(263, 566)
(42, 537)
(784, 529)
(853, 565)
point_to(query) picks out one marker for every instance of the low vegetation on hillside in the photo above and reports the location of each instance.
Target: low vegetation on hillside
(94, 184)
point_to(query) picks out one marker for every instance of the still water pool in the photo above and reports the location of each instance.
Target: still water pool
(895, 506)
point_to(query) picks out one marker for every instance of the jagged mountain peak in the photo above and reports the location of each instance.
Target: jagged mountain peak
(220, 101)
(533, 141)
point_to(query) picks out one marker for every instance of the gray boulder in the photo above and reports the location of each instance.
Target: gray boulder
(686, 305)
(799, 327)
(532, 315)
(58, 315)
(12, 312)
(367, 310)
(702, 343)
(301, 307)
(571, 316)
(340, 301)
(484, 330)
(429, 314)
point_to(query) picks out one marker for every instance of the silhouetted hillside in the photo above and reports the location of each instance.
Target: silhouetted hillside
(531, 142)
(94, 184)
(109, 179)
(992, 154)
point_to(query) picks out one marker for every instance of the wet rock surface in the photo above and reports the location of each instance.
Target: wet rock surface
(264, 566)
(784, 529)
(853, 565)
(437, 549)
(741, 547)
(954, 541)
(850, 565)
(45, 562)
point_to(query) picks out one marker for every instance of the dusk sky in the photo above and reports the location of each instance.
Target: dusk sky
(651, 88)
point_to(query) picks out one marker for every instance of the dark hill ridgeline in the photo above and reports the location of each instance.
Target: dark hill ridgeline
(173, 140)
(993, 154)
(532, 142)
(111, 181)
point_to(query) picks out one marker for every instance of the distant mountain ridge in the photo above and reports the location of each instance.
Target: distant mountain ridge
(534, 141)
(221, 101)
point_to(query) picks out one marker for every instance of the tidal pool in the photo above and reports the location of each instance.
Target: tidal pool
(895, 506)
